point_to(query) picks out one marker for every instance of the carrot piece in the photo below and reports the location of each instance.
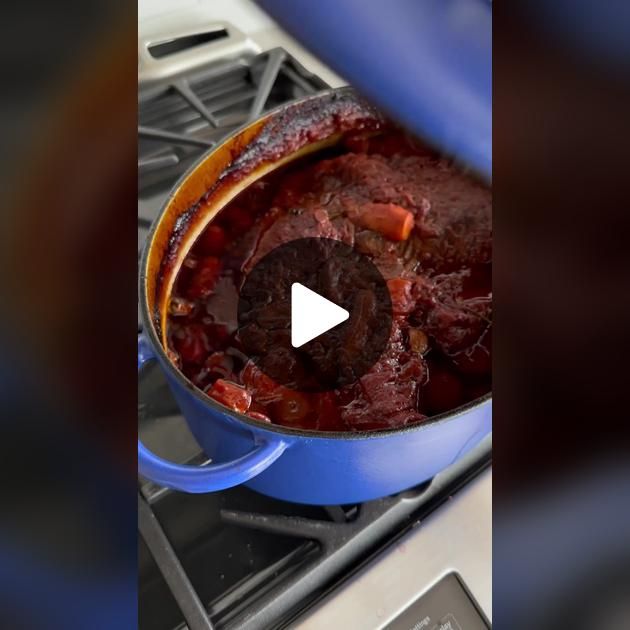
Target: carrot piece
(257, 415)
(230, 394)
(291, 408)
(390, 220)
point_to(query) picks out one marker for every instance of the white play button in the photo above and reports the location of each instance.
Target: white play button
(312, 315)
(292, 318)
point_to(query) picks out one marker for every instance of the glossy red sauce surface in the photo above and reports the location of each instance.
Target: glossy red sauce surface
(425, 225)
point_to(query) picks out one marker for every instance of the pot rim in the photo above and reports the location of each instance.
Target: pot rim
(150, 331)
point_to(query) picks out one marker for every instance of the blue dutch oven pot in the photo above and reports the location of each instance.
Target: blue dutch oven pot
(289, 464)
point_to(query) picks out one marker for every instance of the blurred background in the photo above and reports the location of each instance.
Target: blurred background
(67, 436)
(561, 485)
(68, 119)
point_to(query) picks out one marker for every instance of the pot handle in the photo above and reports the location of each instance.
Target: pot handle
(209, 478)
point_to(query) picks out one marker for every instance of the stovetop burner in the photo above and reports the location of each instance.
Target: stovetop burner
(238, 559)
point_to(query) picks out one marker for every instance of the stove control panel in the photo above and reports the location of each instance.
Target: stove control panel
(445, 606)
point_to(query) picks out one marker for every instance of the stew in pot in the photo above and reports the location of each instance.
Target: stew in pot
(427, 227)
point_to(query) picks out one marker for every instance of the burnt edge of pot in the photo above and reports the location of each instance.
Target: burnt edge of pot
(284, 131)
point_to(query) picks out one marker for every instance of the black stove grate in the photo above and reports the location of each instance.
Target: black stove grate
(180, 119)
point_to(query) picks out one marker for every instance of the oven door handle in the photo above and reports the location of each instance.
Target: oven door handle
(211, 477)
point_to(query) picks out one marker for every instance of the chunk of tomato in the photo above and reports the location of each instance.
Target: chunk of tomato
(204, 278)
(191, 343)
(400, 295)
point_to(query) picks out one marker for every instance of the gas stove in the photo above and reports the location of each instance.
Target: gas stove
(237, 559)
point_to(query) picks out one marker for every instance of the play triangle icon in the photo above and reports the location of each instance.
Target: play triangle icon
(312, 315)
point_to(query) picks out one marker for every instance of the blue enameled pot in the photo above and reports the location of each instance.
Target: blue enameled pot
(290, 464)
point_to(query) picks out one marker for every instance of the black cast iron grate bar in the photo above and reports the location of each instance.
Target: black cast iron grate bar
(171, 568)
(194, 101)
(230, 99)
(295, 526)
(176, 138)
(300, 81)
(269, 76)
(158, 161)
(338, 514)
(231, 603)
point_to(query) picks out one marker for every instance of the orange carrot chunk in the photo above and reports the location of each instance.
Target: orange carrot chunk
(230, 394)
(390, 220)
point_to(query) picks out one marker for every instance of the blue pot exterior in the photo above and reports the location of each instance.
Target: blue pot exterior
(334, 470)
(298, 466)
